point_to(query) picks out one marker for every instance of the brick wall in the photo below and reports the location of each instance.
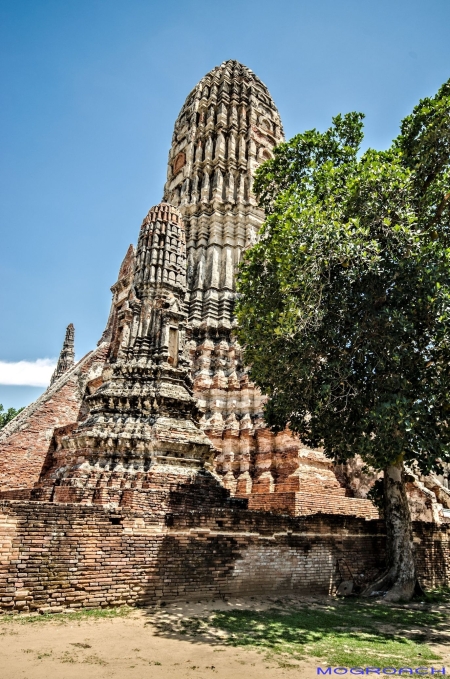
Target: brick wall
(55, 556)
(26, 442)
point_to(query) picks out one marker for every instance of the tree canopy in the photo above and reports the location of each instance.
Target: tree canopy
(344, 302)
(8, 415)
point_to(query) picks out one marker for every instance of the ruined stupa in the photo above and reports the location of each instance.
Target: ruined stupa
(146, 472)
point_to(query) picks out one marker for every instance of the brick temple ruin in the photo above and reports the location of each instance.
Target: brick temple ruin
(146, 472)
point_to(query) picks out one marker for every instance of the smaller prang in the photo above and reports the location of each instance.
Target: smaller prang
(66, 358)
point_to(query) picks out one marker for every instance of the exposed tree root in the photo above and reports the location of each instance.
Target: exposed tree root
(391, 587)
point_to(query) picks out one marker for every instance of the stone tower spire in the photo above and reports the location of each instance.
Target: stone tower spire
(158, 330)
(67, 356)
(142, 417)
(226, 128)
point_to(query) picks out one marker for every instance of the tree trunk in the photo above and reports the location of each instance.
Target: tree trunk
(399, 580)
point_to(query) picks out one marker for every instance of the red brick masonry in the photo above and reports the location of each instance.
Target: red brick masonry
(27, 441)
(57, 556)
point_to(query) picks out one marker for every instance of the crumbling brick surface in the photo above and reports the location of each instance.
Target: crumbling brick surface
(25, 443)
(56, 556)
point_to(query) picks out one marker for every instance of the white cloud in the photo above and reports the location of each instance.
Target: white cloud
(27, 373)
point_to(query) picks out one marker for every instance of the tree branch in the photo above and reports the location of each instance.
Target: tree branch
(441, 207)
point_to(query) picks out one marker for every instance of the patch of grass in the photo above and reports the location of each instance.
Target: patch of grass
(333, 633)
(193, 626)
(62, 618)
(347, 633)
(437, 596)
(67, 658)
(401, 616)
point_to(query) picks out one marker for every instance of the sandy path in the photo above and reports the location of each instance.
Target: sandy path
(130, 648)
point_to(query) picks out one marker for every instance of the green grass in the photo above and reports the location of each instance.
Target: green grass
(62, 618)
(437, 596)
(345, 633)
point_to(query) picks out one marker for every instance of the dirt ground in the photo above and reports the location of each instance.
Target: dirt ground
(131, 647)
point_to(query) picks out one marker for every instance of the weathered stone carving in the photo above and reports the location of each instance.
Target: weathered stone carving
(66, 358)
(226, 128)
(142, 415)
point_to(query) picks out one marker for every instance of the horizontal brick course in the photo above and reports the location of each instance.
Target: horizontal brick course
(303, 503)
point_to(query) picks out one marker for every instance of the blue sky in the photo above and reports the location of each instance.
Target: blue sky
(89, 94)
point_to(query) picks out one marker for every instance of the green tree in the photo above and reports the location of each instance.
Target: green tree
(8, 415)
(344, 303)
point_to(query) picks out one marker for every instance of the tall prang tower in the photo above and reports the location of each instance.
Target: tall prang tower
(226, 128)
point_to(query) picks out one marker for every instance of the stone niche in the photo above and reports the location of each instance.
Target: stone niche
(178, 163)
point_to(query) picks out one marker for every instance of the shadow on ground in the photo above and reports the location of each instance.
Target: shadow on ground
(349, 632)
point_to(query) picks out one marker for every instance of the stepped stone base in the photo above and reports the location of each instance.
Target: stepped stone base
(162, 490)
